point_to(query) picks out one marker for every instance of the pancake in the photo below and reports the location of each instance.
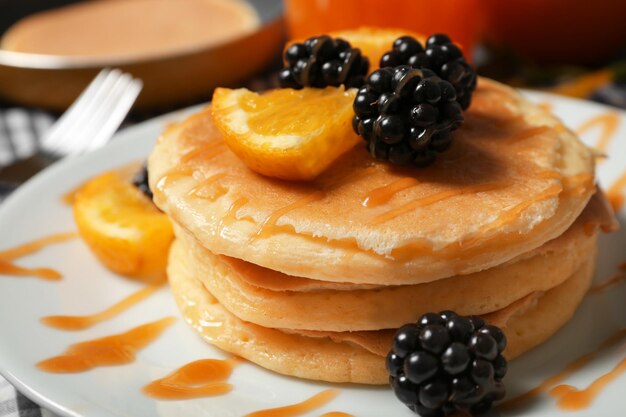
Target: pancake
(513, 179)
(598, 214)
(335, 310)
(350, 356)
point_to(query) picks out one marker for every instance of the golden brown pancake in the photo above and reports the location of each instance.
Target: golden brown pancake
(311, 279)
(352, 356)
(513, 179)
(332, 309)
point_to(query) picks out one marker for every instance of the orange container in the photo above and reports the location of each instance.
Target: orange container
(461, 19)
(557, 31)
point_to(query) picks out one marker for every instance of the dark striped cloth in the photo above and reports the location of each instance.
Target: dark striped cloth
(14, 404)
(20, 130)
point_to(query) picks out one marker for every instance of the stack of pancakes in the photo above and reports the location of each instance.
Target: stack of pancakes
(312, 279)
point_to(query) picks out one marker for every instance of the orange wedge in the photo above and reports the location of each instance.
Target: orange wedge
(285, 133)
(373, 42)
(123, 228)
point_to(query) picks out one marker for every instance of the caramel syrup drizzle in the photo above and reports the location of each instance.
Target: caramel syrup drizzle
(316, 401)
(571, 398)
(513, 213)
(84, 322)
(231, 214)
(270, 222)
(549, 175)
(383, 194)
(48, 274)
(546, 106)
(7, 267)
(186, 167)
(206, 152)
(202, 378)
(343, 178)
(608, 123)
(569, 369)
(615, 193)
(173, 175)
(408, 251)
(575, 184)
(610, 282)
(432, 199)
(119, 349)
(529, 133)
(200, 190)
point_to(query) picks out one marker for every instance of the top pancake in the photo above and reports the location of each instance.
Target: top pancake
(513, 179)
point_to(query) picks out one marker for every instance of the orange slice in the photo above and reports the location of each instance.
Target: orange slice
(285, 133)
(373, 42)
(123, 228)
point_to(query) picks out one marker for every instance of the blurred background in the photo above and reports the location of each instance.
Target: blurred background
(571, 47)
(183, 49)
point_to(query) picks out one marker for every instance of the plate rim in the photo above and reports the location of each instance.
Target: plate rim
(120, 141)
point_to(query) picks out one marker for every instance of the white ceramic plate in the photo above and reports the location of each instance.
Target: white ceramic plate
(35, 210)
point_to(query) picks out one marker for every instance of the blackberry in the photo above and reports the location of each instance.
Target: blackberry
(323, 61)
(140, 180)
(441, 56)
(406, 115)
(446, 363)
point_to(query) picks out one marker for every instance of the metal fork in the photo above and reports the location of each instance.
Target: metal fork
(88, 123)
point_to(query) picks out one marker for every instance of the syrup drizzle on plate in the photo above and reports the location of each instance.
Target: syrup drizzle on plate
(608, 124)
(202, 378)
(569, 369)
(84, 322)
(610, 282)
(112, 350)
(571, 398)
(615, 193)
(318, 400)
(7, 267)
